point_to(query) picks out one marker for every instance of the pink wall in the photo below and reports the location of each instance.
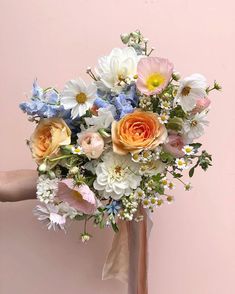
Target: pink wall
(193, 240)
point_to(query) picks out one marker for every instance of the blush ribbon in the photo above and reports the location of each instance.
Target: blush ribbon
(127, 260)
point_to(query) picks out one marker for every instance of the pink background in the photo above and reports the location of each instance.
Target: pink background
(193, 240)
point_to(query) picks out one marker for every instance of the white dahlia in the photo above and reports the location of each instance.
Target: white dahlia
(118, 68)
(78, 96)
(116, 176)
(190, 89)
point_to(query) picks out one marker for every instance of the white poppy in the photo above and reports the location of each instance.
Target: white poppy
(190, 89)
(78, 96)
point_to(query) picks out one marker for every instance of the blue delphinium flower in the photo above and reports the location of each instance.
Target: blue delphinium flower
(113, 207)
(100, 103)
(123, 105)
(37, 91)
(44, 103)
(125, 102)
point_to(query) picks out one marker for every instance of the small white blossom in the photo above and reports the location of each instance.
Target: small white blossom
(77, 150)
(139, 193)
(46, 189)
(171, 186)
(164, 182)
(181, 163)
(165, 104)
(163, 118)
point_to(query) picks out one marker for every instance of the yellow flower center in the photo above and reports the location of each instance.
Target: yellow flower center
(81, 98)
(154, 81)
(188, 149)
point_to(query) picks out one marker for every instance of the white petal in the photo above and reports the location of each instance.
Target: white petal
(68, 102)
(75, 111)
(82, 108)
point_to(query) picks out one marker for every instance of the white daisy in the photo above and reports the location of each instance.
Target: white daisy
(180, 163)
(164, 182)
(78, 97)
(190, 89)
(77, 150)
(163, 118)
(171, 186)
(116, 176)
(165, 104)
(139, 193)
(118, 68)
(194, 127)
(188, 150)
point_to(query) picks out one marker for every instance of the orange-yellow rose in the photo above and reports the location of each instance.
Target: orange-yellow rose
(137, 131)
(49, 135)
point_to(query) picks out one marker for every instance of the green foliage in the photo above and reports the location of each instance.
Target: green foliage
(166, 157)
(204, 161)
(177, 175)
(115, 227)
(177, 112)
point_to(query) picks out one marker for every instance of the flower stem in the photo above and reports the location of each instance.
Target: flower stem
(60, 157)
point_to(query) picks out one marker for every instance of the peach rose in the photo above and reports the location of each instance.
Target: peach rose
(49, 135)
(136, 131)
(92, 144)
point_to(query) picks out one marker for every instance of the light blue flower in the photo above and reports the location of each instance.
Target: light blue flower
(51, 96)
(100, 103)
(113, 207)
(41, 109)
(44, 103)
(37, 91)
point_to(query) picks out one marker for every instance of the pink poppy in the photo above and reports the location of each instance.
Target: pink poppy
(154, 74)
(79, 197)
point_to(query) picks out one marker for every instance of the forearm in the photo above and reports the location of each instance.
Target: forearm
(18, 185)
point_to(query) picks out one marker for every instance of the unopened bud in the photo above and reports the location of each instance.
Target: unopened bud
(217, 86)
(176, 76)
(42, 167)
(125, 38)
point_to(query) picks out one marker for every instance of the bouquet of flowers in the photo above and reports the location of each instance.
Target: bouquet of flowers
(110, 149)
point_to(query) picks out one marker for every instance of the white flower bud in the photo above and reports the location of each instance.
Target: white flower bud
(42, 167)
(125, 38)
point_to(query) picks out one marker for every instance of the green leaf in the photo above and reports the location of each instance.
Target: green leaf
(115, 227)
(157, 177)
(196, 145)
(177, 175)
(177, 112)
(191, 172)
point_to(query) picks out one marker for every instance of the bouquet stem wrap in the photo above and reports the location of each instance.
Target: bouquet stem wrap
(127, 260)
